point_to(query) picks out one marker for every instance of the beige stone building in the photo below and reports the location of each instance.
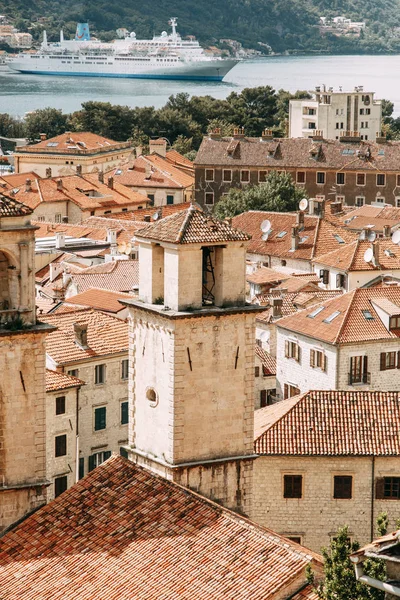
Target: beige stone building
(93, 347)
(327, 459)
(23, 482)
(64, 152)
(192, 358)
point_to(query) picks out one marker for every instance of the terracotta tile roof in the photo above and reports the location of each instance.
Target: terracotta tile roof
(61, 381)
(12, 208)
(176, 158)
(385, 547)
(294, 302)
(317, 236)
(367, 215)
(15, 180)
(268, 415)
(139, 214)
(106, 335)
(44, 305)
(117, 276)
(265, 275)
(299, 153)
(306, 594)
(94, 228)
(152, 171)
(352, 323)
(268, 361)
(351, 257)
(80, 142)
(124, 532)
(100, 299)
(335, 423)
(192, 226)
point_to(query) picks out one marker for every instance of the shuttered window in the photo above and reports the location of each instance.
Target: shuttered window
(100, 417)
(292, 350)
(60, 485)
(388, 360)
(263, 398)
(124, 413)
(387, 488)
(292, 486)
(60, 405)
(61, 445)
(342, 487)
(318, 360)
(96, 459)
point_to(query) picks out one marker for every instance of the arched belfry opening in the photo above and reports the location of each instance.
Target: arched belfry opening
(208, 292)
(9, 285)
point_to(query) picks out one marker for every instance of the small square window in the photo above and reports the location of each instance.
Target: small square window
(73, 372)
(340, 178)
(60, 485)
(60, 405)
(60, 445)
(125, 368)
(100, 418)
(360, 178)
(391, 488)
(381, 179)
(227, 175)
(209, 198)
(398, 180)
(257, 371)
(124, 412)
(292, 486)
(320, 177)
(245, 176)
(300, 177)
(262, 176)
(294, 538)
(209, 174)
(170, 199)
(99, 374)
(342, 487)
(360, 200)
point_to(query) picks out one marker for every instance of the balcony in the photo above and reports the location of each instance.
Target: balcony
(359, 378)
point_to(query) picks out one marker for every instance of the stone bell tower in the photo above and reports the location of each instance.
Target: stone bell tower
(192, 357)
(22, 367)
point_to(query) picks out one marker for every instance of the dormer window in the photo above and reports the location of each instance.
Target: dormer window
(394, 322)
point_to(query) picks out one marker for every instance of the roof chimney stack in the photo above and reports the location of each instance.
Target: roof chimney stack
(375, 259)
(60, 240)
(295, 238)
(80, 331)
(79, 170)
(300, 219)
(28, 185)
(387, 230)
(276, 304)
(110, 182)
(48, 172)
(158, 147)
(59, 185)
(101, 176)
(43, 137)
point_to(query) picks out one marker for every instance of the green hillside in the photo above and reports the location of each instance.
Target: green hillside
(286, 25)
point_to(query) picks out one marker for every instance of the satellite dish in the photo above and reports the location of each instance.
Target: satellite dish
(265, 226)
(264, 336)
(128, 249)
(362, 235)
(122, 248)
(396, 237)
(371, 237)
(265, 236)
(303, 204)
(368, 255)
(155, 216)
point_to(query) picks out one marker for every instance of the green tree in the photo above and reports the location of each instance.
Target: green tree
(183, 145)
(106, 119)
(10, 127)
(50, 121)
(278, 193)
(254, 109)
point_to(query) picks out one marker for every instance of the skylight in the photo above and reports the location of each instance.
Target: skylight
(368, 315)
(281, 234)
(303, 239)
(348, 151)
(52, 144)
(332, 316)
(381, 153)
(315, 312)
(338, 238)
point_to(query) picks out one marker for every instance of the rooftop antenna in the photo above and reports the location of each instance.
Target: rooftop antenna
(266, 229)
(303, 204)
(368, 255)
(156, 216)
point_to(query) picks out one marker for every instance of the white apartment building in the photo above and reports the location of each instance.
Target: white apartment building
(336, 113)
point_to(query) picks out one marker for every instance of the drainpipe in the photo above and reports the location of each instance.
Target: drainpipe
(372, 496)
(375, 583)
(77, 437)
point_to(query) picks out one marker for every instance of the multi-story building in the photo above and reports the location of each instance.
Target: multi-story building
(328, 459)
(93, 347)
(349, 170)
(335, 113)
(347, 343)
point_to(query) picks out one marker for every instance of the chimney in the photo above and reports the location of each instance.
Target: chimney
(48, 172)
(138, 151)
(387, 230)
(55, 269)
(112, 237)
(60, 240)
(277, 307)
(295, 238)
(300, 219)
(147, 218)
(59, 185)
(110, 182)
(215, 134)
(336, 207)
(238, 133)
(158, 147)
(267, 134)
(147, 171)
(43, 136)
(375, 259)
(101, 176)
(80, 331)
(381, 138)
(79, 170)
(28, 185)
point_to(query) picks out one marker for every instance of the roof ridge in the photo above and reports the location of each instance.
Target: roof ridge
(346, 316)
(315, 238)
(354, 253)
(300, 397)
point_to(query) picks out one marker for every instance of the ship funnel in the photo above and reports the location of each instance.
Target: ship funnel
(61, 36)
(82, 32)
(44, 43)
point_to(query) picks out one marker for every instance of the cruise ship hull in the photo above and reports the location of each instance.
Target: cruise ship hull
(208, 70)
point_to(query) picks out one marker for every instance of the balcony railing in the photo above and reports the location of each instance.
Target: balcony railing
(359, 378)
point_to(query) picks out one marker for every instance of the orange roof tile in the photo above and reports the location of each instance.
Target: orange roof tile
(268, 361)
(294, 302)
(116, 275)
(124, 532)
(351, 257)
(11, 208)
(139, 214)
(100, 299)
(61, 381)
(106, 335)
(306, 594)
(152, 171)
(81, 142)
(334, 423)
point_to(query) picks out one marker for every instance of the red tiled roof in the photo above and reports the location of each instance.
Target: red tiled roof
(294, 302)
(351, 257)
(192, 226)
(334, 423)
(61, 381)
(81, 142)
(306, 594)
(100, 299)
(268, 361)
(367, 215)
(116, 275)
(139, 214)
(124, 532)
(106, 335)
(12, 208)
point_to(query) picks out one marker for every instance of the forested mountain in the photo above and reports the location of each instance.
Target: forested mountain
(286, 25)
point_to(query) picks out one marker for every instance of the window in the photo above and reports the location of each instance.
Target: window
(267, 397)
(389, 361)
(312, 126)
(292, 350)
(340, 178)
(300, 177)
(394, 322)
(320, 177)
(292, 486)
(358, 370)
(340, 281)
(245, 176)
(257, 372)
(337, 125)
(124, 412)
(60, 445)
(367, 111)
(380, 200)
(315, 312)
(99, 374)
(362, 111)
(342, 487)
(362, 125)
(125, 368)
(324, 275)
(96, 459)
(397, 202)
(290, 390)
(41, 219)
(60, 485)
(170, 199)
(81, 467)
(360, 178)
(209, 174)
(151, 198)
(294, 538)
(227, 175)
(366, 126)
(398, 180)
(100, 418)
(58, 218)
(332, 317)
(262, 176)
(123, 452)
(360, 200)
(368, 315)
(209, 198)
(73, 372)
(318, 360)
(381, 179)
(60, 405)
(391, 488)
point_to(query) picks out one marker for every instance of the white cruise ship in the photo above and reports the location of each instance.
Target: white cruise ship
(166, 56)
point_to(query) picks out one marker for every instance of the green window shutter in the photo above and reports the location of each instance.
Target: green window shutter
(107, 454)
(100, 418)
(92, 462)
(124, 413)
(81, 467)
